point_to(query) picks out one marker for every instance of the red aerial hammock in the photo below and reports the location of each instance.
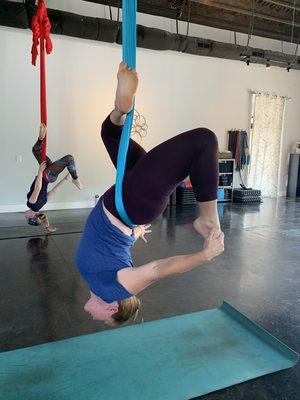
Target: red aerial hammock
(41, 27)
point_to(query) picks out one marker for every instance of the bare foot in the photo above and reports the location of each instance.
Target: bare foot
(43, 131)
(127, 87)
(205, 228)
(78, 183)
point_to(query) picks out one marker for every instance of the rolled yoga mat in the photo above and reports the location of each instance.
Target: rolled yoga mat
(175, 358)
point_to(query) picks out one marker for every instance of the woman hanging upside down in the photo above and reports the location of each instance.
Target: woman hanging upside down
(48, 172)
(103, 255)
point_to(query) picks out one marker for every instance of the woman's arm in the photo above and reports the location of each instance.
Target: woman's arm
(137, 279)
(38, 184)
(57, 186)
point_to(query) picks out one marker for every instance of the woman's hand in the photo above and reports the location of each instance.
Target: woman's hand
(42, 167)
(141, 230)
(50, 229)
(45, 222)
(214, 245)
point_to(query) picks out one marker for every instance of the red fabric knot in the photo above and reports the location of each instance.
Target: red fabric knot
(41, 27)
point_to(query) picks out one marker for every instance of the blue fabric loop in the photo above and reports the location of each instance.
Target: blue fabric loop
(129, 9)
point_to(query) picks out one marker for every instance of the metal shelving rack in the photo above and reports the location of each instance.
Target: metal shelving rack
(185, 196)
(228, 188)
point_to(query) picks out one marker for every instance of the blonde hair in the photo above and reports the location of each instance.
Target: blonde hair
(127, 308)
(44, 219)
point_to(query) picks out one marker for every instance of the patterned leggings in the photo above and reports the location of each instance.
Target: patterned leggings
(54, 168)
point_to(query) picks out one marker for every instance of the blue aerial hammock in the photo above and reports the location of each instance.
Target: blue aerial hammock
(129, 9)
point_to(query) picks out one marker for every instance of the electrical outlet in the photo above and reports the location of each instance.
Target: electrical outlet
(19, 158)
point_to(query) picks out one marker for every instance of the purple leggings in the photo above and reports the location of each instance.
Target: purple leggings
(151, 177)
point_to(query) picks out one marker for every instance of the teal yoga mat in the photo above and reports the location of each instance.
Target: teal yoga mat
(175, 358)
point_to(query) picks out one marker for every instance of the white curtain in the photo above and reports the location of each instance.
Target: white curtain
(266, 143)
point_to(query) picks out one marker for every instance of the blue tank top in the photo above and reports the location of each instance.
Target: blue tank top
(102, 251)
(42, 198)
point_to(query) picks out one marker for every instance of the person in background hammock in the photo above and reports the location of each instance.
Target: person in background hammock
(48, 172)
(103, 255)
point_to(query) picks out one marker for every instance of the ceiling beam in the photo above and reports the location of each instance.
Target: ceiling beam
(246, 8)
(268, 22)
(74, 25)
(285, 4)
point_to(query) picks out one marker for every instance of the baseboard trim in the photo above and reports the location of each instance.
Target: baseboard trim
(48, 206)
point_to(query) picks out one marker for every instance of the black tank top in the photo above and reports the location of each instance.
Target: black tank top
(42, 198)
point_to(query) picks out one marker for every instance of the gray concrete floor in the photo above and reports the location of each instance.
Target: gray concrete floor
(258, 274)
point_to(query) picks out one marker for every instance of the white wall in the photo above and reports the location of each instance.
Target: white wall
(177, 92)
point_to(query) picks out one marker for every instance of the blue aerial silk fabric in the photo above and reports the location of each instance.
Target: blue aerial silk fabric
(129, 9)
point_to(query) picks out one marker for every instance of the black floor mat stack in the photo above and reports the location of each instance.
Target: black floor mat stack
(246, 196)
(185, 196)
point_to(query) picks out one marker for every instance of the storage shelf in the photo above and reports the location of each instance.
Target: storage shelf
(185, 196)
(230, 164)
